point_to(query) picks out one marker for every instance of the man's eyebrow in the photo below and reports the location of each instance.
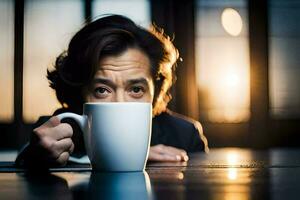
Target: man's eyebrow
(105, 81)
(136, 81)
(128, 82)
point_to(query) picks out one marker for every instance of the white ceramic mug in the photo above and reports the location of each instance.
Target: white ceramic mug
(116, 134)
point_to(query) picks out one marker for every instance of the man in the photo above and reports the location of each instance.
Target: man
(113, 60)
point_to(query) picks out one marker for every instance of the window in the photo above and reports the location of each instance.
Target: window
(48, 28)
(222, 60)
(284, 62)
(137, 10)
(6, 60)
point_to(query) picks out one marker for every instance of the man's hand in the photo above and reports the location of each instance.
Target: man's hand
(53, 138)
(167, 153)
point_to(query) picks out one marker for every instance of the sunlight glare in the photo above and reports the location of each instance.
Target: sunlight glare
(232, 158)
(229, 94)
(232, 80)
(232, 174)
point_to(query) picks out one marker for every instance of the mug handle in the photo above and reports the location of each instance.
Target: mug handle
(80, 119)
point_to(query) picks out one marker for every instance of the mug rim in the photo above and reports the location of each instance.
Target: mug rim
(116, 103)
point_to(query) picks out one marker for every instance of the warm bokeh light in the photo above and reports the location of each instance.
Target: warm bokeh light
(180, 176)
(232, 158)
(232, 21)
(238, 195)
(229, 94)
(236, 157)
(231, 80)
(232, 174)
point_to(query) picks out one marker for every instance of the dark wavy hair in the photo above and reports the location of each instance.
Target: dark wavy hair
(75, 68)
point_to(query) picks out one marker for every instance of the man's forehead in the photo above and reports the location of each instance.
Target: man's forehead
(121, 68)
(130, 59)
(123, 72)
(106, 80)
(125, 76)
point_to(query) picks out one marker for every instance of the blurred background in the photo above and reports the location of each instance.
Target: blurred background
(239, 74)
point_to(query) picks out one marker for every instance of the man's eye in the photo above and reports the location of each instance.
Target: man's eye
(101, 92)
(137, 91)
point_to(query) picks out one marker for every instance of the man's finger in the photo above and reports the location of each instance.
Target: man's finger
(64, 145)
(162, 157)
(63, 158)
(175, 150)
(178, 152)
(71, 148)
(62, 131)
(162, 149)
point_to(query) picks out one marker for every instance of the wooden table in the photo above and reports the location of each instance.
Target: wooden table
(226, 173)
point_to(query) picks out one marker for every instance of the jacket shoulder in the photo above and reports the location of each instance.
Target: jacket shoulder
(177, 119)
(187, 132)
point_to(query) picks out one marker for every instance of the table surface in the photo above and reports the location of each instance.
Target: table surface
(225, 173)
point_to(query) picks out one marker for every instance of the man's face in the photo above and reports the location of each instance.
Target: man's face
(123, 78)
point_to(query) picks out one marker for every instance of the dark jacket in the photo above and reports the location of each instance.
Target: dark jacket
(168, 128)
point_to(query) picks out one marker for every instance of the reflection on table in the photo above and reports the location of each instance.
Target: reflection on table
(131, 185)
(223, 174)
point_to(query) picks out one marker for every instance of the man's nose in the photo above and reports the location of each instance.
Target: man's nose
(120, 96)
